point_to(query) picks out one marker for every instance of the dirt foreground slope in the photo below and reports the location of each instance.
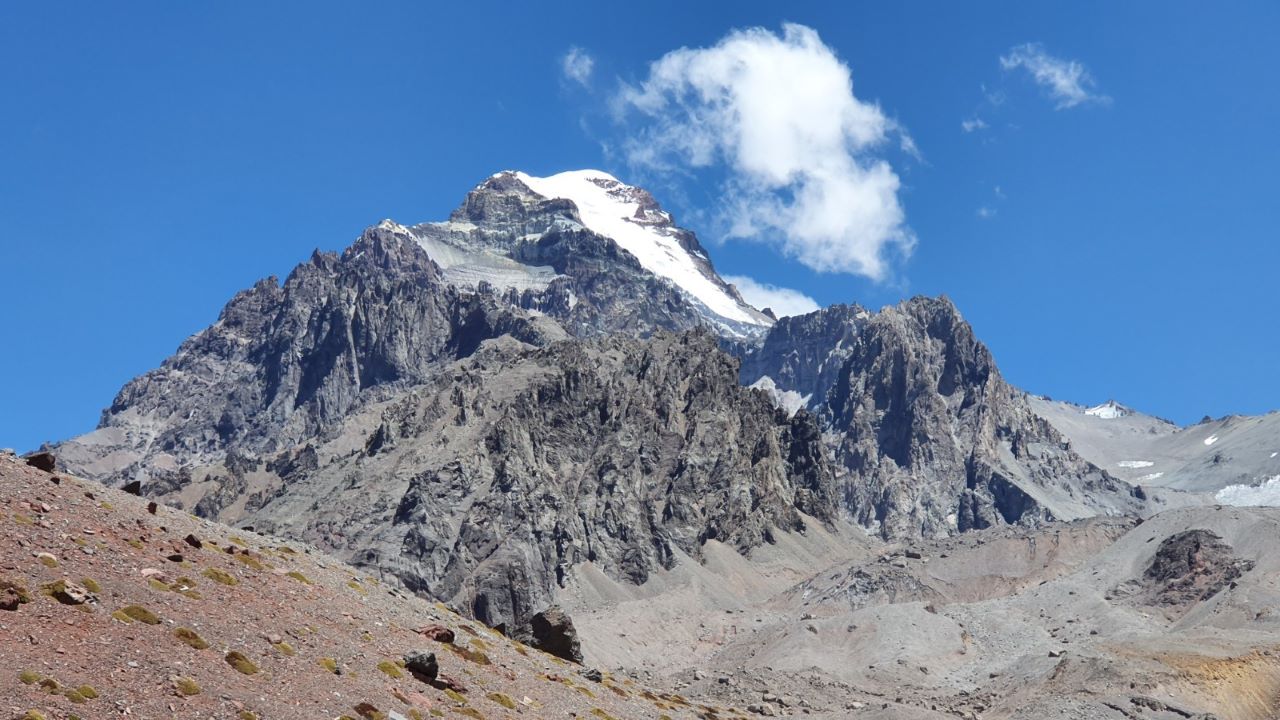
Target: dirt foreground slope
(109, 610)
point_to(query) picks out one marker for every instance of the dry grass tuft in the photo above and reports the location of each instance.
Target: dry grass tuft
(186, 687)
(241, 663)
(191, 638)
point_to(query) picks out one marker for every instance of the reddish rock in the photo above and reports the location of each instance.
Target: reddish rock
(439, 633)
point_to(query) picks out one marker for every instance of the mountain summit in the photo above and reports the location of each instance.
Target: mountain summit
(581, 246)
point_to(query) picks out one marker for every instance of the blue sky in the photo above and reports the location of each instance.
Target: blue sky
(155, 159)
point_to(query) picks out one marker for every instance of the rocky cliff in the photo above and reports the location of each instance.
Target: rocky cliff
(930, 438)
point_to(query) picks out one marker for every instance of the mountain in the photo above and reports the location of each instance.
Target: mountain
(547, 379)
(1202, 458)
(550, 413)
(930, 437)
(598, 255)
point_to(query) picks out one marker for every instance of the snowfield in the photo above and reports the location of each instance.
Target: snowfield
(605, 209)
(1135, 463)
(1109, 410)
(1268, 493)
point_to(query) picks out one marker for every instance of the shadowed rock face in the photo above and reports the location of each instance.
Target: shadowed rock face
(284, 363)
(931, 439)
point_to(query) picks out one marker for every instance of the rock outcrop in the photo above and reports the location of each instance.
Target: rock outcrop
(485, 484)
(930, 437)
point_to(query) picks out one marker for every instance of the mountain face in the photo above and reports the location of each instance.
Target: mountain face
(541, 382)
(1210, 456)
(597, 255)
(930, 438)
(485, 484)
(285, 362)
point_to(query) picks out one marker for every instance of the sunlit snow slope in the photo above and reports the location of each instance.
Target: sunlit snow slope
(613, 209)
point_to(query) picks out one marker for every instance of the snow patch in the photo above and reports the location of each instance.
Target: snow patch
(1150, 477)
(609, 212)
(1274, 454)
(1211, 440)
(1266, 493)
(1135, 463)
(1109, 410)
(787, 400)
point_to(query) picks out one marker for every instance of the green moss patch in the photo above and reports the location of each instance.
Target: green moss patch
(186, 687)
(390, 669)
(465, 653)
(141, 614)
(220, 576)
(502, 699)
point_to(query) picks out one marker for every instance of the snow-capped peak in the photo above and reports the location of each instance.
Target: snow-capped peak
(1109, 410)
(628, 216)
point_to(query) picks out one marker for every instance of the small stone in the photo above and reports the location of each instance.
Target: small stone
(193, 541)
(151, 507)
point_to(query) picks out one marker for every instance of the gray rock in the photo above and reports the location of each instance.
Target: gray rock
(422, 664)
(552, 631)
(930, 439)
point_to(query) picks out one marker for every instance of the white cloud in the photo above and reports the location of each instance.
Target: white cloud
(577, 65)
(986, 213)
(778, 115)
(782, 301)
(973, 124)
(1067, 81)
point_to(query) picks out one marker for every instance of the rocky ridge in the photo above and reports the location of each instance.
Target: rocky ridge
(930, 438)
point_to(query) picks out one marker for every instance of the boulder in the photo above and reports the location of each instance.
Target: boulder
(422, 664)
(42, 461)
(552, 631)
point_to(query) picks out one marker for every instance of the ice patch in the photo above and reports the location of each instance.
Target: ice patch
(606, 211)
(1211, 440)
(1274, 454)
(1135, 463)
(1266, 493)
(1109, 410)
(1150, 477)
